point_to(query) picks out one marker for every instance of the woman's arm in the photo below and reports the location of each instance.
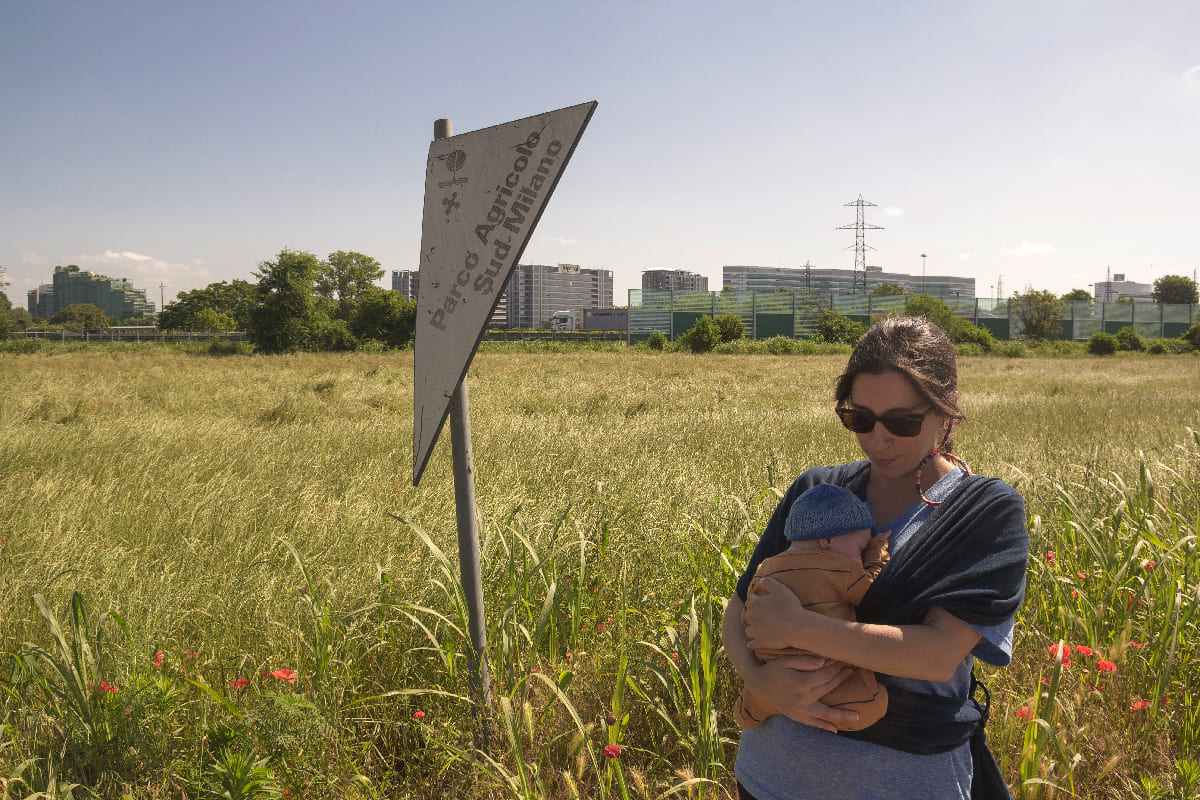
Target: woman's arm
(929, 651)
(792, 685)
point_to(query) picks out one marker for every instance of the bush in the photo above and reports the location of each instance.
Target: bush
(833, 327)
(657, 341)
(1129, 339)
(1156, 348)
(703, 337)
(1102, 344)
(731, 327)
(1192, 336)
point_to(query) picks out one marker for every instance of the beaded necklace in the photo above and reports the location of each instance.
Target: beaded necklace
(948, 456)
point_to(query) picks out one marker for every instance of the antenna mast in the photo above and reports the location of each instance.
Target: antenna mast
(859, 280)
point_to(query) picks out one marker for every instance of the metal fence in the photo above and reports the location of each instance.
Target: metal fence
(796, 314)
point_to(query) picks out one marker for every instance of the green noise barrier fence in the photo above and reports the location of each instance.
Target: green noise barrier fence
(795, 314)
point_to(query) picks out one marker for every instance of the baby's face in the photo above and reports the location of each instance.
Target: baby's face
(852, 544)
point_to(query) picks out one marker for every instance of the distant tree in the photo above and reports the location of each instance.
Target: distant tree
(727, 288)
(959, 330)
(344, 277)
(384, 316)
(888, 289)
(784, 289)
(1192, 336)
(1040, 313)
(22, 319)
(288, 316)
(1124, 300)
(1077, 296)
(79, 316)
(7, 322)
(212, 320)
(731, 327)
(1175, 289)
(235, 300)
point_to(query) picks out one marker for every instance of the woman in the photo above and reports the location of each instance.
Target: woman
(956, 578)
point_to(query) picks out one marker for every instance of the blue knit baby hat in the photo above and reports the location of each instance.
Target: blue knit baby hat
(826, 510)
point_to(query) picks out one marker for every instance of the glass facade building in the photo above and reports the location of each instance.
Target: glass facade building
(116, 297)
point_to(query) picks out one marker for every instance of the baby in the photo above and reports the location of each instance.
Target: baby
(832, 560)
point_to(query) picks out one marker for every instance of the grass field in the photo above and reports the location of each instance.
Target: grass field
(253, 521)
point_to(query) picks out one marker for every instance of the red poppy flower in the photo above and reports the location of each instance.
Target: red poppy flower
(1137, 645)
(418, 714)
(239, 683)
(1081, 575)
(1083, 650)
(1023, 713)
(284, 675)
(158, 657)
(1138, 705)
(1051, 558)
(612, 751)
(1062, 651)
(1074, 593)
(1106, 666)
(1149, 565)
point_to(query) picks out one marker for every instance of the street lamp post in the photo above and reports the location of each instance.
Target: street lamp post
(922, 273)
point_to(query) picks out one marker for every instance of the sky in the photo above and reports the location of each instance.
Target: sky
(1028, 144)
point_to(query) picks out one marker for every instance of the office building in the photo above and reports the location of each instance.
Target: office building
(406, 282)
(813, 279)
(536, 291)
(116, 297)
(1120, 289)
(40, 301)
(673, 280)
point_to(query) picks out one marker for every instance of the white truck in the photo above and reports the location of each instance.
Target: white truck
(563, 320)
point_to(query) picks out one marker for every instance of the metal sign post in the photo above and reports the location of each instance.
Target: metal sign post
(484, 194)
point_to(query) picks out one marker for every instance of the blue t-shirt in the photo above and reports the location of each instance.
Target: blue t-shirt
(785, 760)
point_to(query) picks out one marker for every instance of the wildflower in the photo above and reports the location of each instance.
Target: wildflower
(1138, 705)
(1106, 666)
(418, 714)
(610, 718)
(1083, 650)
(239, 683)
(1074, 593)
(1137, 645)
(1023, 713)
(284, 675)
(1081, 576)
(1095, 688)
(603, 627)
(158, 657)
(1051, 558)
(1149, 565)
(612, 751)
(1062, 651)
(106, 687)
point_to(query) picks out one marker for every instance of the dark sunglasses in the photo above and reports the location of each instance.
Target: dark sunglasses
(860, 420)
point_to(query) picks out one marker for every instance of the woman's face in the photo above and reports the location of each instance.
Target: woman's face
(892, 393)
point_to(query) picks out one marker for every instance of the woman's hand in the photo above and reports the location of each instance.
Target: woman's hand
(791, 685)
(794, 686)
(774, 617)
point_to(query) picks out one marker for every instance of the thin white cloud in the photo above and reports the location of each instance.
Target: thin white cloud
(893, 211)
(1189, 82)
(1029, 249)
(144, 271)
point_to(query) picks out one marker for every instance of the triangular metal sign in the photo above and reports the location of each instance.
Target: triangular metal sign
(484, 193)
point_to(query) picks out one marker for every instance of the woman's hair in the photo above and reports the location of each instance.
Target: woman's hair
(918, 350)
